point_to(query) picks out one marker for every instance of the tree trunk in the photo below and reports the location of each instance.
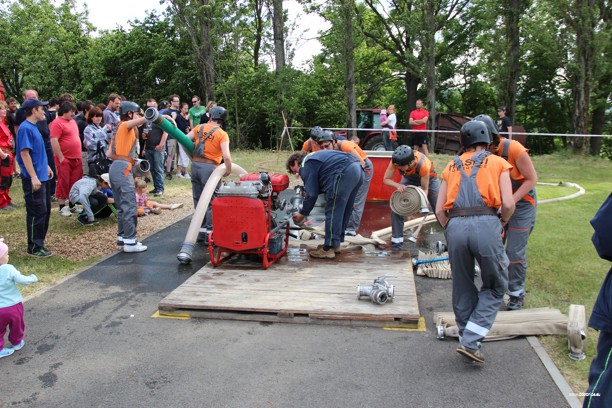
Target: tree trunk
(349, 64)
(583, 24)
(411, 83)
(598, 121)
(257, 9)
(430, 55)
(512, 12)
(278, 25)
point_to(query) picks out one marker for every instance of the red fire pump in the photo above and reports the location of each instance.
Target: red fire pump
(243, 219)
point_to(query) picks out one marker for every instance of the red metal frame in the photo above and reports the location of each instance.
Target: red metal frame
(243, 225)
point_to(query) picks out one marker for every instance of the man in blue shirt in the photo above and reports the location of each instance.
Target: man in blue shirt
(337, 174)
(36, 173)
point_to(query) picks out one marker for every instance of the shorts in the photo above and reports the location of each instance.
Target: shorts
(171, 145)
(419, 138)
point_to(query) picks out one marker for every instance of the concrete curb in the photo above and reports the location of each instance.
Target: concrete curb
(552, 369)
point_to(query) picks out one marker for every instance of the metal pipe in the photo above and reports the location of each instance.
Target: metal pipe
(152, 114)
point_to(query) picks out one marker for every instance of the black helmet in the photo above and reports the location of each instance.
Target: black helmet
(128, 106)
(218, 113)
(486, 119)
(402, 156)
(327, 136)
(315, 133)
(475, 132)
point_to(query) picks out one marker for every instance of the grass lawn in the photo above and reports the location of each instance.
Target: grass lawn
(564, 268)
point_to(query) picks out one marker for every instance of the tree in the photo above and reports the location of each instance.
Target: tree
(202, 22)
(42, 46)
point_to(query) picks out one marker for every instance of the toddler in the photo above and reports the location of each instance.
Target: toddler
(383, 117)
(11, 306)
(146, 206)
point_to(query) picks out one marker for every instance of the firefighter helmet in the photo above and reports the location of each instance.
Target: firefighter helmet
(128, 106)
(475, 132)
(491, 125)
(315, 133)
(327, 136)
(218, 113)
(402, 156)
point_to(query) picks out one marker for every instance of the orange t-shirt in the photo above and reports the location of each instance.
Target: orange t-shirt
(514, 151)
(212, 145)
(426, 168)
(347, 146)
(124, 142)
(310, 146)
(487, 178)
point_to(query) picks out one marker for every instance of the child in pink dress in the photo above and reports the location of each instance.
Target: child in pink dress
(11, 303)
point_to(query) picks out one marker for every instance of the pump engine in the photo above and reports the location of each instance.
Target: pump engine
(243, 219)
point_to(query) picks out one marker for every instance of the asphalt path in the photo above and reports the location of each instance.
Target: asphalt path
(91, 341)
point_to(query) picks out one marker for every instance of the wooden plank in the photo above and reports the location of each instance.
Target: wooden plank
(300, 292)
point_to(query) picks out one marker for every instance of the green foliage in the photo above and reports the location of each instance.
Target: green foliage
(48, 46)
(606, 148)
(42, 47)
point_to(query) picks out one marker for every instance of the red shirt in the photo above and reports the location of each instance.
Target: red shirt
(67, 133)
(419, 114)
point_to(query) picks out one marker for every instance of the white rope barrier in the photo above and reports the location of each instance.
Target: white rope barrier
(456, 131)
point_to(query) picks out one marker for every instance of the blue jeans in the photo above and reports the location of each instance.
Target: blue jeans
(156, 159)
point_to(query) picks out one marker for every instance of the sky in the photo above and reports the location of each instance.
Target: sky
(108, 14)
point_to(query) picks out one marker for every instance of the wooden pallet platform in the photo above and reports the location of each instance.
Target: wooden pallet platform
(300, 290)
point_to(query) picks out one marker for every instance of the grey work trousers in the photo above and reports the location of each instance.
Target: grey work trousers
(476, 238)
(518, 230)
(200, 173)
(125, 200)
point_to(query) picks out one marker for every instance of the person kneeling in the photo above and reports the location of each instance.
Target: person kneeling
(86, 192)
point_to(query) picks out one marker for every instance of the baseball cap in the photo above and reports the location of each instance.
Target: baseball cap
(501, 108)
(106, 178)
(32, 103)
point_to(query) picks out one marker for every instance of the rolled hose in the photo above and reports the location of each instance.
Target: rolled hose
(151, 114)
(185, 255)
(410, 201)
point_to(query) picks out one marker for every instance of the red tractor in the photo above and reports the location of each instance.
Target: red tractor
(447, 138)
(368, 119)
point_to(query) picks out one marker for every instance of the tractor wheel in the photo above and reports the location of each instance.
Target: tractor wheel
(376, 143)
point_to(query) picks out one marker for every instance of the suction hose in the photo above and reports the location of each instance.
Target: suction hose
(151, 114)
(186, 253)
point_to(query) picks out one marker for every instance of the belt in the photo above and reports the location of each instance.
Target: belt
(471, 211)
(204, 160)
(124, 158)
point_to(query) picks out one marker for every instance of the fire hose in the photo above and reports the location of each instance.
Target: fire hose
(184, 256)
(410, 201)
(152, 115)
